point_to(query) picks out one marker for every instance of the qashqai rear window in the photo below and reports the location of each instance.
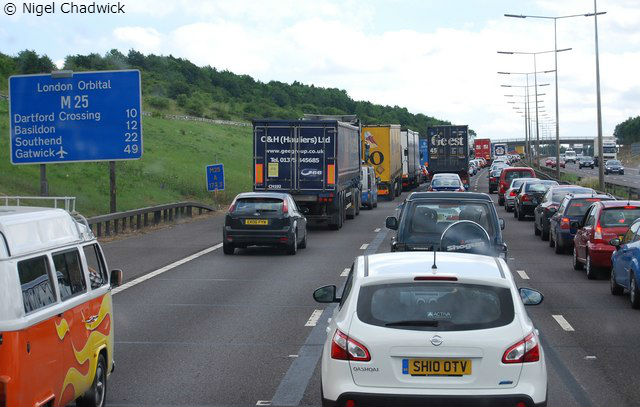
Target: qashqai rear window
(258, 205)
(510, 175)
(430, 306)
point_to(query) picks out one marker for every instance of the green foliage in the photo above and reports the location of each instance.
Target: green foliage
(628, 131)
(221, 94)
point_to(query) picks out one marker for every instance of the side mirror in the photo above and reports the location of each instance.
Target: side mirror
(501, 222)
(466, 187)
(615, 243)
(116, 278)
(576, 225)
(391, 223)
(406, 152)
(305, 211)
(326, 294)
(530, 296)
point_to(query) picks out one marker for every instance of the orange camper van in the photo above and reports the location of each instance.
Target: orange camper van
(56, 321)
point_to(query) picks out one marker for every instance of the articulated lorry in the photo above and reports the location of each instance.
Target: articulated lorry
(317, 160)
(411, 174)
(449, 151)
(482, 148)
(609, 150)
(382, 148)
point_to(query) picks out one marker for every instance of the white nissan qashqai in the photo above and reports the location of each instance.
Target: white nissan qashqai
(407, 334)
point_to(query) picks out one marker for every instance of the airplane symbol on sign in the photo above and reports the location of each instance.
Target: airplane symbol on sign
(61, 153)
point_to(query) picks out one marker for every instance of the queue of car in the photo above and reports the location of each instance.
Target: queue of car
(602, 232)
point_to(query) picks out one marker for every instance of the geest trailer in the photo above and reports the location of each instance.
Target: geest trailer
(316, 161)
(410, 159)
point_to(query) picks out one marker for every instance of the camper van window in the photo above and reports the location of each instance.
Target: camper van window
(69, 271)
(97, 271)
(37, 291)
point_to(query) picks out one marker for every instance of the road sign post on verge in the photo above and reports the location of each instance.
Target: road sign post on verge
(215, 179)
(66, 117)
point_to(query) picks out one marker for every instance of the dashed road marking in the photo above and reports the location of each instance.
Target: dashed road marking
(376, 230)
(263, 403)
(345, 272)
(564, 324)
(522, 274)
(364, 246)
(313, 319)
(590, 357)
(165, 269)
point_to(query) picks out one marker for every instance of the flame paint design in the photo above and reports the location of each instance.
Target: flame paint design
(62, 328)
(89, 351)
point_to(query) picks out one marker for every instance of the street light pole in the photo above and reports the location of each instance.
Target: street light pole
(599, 102)
(535, 77)
(555, 39)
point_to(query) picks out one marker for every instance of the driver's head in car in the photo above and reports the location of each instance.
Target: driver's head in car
(424, 220)
(472, 214)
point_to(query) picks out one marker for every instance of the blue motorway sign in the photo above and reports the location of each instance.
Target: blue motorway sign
(215, 177)
(84, 116)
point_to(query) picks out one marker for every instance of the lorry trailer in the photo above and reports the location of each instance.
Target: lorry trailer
(382, 148)
(411, 174)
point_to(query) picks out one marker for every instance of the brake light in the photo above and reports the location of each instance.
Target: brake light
(565, 223)
(345, 348)
(435, 278)
(232, 207)
(630, 207)
(592, 200)
(285, 206)
(526, 198)
(512, 193)
(598, 233)
(525, 351)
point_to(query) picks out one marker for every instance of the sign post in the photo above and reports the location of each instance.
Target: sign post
(68, 117)
(215, 179)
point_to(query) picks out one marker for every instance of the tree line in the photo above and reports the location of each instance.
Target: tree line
(176, 85)
(628, 131)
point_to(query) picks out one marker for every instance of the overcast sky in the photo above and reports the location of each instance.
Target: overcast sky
(437, 57)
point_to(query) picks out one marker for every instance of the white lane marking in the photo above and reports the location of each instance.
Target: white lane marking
(590, 357)
(564, 324)
(313, 319)
(165, 269)
(376, 230)
(345, 272)
(263, 403)
(293, 356)
(364, 246)
(522, 274)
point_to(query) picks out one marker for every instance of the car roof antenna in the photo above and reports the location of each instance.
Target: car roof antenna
(434, 267)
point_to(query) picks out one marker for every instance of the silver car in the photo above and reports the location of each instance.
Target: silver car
(510, 195)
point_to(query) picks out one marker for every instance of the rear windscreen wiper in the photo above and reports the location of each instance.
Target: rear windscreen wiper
(417, 322)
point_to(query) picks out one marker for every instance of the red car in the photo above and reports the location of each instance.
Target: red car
(508, 175)
(550, 162)
(604, 220)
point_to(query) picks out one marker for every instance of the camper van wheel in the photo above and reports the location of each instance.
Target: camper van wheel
(97, 394)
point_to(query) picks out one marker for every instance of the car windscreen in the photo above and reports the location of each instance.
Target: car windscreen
(587, 159)
(539, 187)
(511, 175)
(496, 173)
(579, 206)
(619, 217)
(257, 205)
(431, 306)
(445, 182)
(613, 162)
(423, 222)
(559, 194)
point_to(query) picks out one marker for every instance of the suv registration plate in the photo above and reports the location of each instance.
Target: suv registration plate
(436, 367)
(256, 221)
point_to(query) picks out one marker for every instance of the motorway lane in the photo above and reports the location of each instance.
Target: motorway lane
(223, 330)
(605, 327)
(630, 177)
(220, 330)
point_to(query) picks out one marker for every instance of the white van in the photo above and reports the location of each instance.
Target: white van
(570, 156)
(369, 187)
(56, 317)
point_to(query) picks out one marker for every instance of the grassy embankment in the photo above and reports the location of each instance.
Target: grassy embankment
(172, 168)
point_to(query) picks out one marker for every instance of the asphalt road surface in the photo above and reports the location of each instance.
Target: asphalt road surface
(630, 178)
(197, 328)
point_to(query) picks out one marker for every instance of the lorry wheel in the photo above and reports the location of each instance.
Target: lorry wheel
(351, 212)
(392, 192)
(97, 394)
(358, 202)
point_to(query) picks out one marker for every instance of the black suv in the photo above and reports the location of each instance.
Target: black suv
(425, 216)
(586, 162)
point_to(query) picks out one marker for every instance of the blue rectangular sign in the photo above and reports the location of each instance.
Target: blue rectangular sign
(85, 116)
(215, 177)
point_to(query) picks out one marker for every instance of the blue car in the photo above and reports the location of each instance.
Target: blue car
(562, 225)
(625, 261)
